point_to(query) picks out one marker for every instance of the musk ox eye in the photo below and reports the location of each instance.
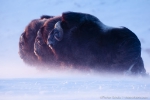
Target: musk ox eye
(39, 41)
(22, 43)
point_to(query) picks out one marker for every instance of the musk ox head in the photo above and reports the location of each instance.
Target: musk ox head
(38, 44)
(41, 49)
(26, 42)
(55, 35)
(68, 36)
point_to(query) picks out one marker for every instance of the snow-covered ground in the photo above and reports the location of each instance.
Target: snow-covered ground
(75, 89)
(21, 82)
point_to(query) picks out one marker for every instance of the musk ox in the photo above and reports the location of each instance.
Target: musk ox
(41, 49)
(83, 40)
(27, 38)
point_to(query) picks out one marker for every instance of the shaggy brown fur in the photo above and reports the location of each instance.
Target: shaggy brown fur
(26, 42)
(88, 42)
(41, 49)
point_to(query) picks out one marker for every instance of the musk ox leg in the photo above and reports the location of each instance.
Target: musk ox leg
(128, 57)
(138, 68)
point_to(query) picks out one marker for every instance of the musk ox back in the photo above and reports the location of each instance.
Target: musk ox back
(83, 40)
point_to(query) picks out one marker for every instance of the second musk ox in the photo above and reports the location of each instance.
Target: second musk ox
(41, 49)
(83, 40)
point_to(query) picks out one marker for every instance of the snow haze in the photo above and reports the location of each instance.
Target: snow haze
(21, 82)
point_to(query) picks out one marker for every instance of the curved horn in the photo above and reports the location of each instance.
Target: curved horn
(39, 34)
(22, 37)
(59, 31)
